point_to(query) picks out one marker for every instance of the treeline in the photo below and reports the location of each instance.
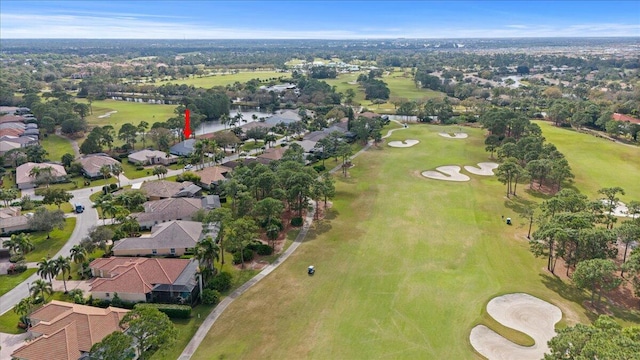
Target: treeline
(581, 233)
(523, 152)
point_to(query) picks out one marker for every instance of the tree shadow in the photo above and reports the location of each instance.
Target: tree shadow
(518, 205)
(567, 291)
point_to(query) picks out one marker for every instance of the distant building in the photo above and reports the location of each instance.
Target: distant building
(162, 189)
(183, 148)
(152, 157)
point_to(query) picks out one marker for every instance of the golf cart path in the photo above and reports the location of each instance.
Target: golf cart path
(206, 325)
(522, 312)
(197, 338)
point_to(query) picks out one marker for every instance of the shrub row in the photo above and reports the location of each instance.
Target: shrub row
(173, 311)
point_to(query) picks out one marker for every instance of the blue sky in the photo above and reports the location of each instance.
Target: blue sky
(316, 19)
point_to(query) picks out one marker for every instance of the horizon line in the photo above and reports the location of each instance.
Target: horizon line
(348, 39)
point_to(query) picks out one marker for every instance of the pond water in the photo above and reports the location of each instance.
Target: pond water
(213, 126)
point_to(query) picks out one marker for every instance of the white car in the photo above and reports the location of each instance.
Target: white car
(188, 167)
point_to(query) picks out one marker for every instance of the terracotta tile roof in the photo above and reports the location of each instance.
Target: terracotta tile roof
(212, 174)
(163, 188)
(622, 117)
(136, 275)
(275, 153)
(68, 330)
(11, 132)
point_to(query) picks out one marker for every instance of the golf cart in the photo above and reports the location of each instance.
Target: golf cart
(311, 270)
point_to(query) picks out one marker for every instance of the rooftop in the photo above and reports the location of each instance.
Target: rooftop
(68, 330)
(136, 275)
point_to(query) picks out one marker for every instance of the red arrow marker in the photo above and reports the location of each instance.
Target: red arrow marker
(187, 124)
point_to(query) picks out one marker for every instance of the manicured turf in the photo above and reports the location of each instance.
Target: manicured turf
(401, 85)
(49, 247)
(8, 282)
(597, 162)
(405, 266)
(226, 79)
(127, 112)
(56, 146)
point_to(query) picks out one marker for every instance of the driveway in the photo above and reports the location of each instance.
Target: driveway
(10, 343)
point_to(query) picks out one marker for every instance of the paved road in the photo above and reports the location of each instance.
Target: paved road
(84, 222)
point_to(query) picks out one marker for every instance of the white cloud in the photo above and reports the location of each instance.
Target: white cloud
(135, 26)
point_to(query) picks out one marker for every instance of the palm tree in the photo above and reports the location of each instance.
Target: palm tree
(23, 307)
(105, 170)
(47, 268)
(109, 208)
(63, 264)
(23, 242)
(78, 254)
(199, 150)
(116, 169)
(207, 251)
(11, 244)
(41, 287)
(159, 171)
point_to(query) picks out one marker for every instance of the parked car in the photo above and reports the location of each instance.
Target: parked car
(188, 167)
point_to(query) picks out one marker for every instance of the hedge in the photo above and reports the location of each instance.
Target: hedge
(173, 311)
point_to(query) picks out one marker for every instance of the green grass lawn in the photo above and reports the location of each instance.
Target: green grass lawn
(401, 85)
(127, 112)
(49, 247)
(405, 266)
(56, 146)
(131, 173)
(597, 162)
(226, 79)
(78, 183)
(66, 207)
(8, 282)
(8, 181)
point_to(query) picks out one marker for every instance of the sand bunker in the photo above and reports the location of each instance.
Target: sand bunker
(107, 115)
(483, 168)
(620, 210)
(403, 144)
(454, 136)
(448, 173)
(521, 312)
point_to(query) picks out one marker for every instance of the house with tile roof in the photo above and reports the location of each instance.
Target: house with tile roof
(162, 189)
(212, 176)
(66, 331)
(159, 211)
(145, 279)
(91, 164)
(173, 238)
(12, 221)
(24, 180)
(152, 157)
